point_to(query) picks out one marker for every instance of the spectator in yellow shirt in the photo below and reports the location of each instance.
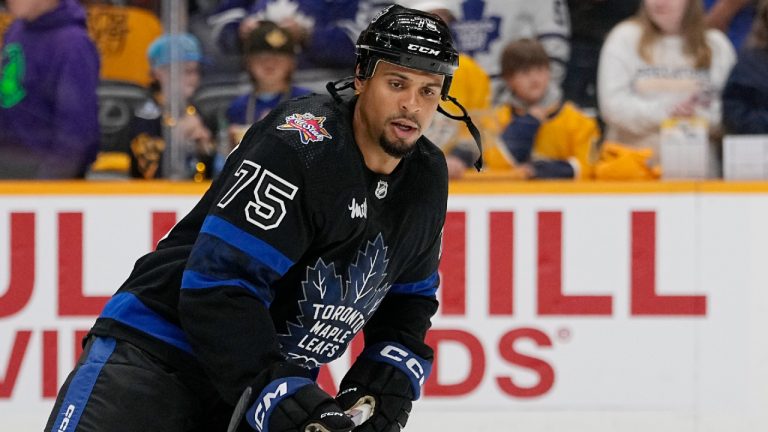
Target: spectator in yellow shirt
(541, 136)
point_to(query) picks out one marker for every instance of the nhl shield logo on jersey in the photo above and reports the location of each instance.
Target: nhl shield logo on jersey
(381, 189)
(309, 126)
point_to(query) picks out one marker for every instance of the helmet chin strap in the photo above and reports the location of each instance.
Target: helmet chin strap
(334, 87)
(470, 125)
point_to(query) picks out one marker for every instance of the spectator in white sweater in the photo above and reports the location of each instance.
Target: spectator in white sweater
(661, 63)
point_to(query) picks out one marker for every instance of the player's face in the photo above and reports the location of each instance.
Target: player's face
(529, 85)
(397, 104)
(667, 14)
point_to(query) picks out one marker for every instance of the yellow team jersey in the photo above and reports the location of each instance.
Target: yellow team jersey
(567, 135)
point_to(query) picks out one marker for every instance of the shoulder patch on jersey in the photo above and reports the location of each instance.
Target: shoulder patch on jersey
(309, 127)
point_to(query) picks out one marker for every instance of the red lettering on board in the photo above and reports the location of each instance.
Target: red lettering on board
(72, 301)
(453, 282)
(325, 380)
(162, 222)
(645, 301)
(50, 363)
(473, 377)
(552, 301)
(18, 351)
(538, 366)
(501, 263)
(21, 278)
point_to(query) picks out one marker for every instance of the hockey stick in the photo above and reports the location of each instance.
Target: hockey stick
(240, 409)
(362, 411)
(359, 413)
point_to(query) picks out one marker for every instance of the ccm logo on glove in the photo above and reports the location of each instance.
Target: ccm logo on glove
(416, 368)
(271, 395)
(400, 355)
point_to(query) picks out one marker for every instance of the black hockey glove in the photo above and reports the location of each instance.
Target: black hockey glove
(389, 376)
(291, 404)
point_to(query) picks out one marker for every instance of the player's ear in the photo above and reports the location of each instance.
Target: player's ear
(359, 82)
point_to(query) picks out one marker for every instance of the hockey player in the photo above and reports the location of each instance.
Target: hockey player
(327, 220)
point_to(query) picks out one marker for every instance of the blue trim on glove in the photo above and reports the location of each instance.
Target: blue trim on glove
(394, 354)
(258, 414)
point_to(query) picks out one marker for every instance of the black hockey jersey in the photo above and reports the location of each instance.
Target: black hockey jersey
(295, 248)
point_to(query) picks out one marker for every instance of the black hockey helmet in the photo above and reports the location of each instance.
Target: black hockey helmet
(409, 38)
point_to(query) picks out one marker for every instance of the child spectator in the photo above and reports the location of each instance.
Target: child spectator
(542, 136)
(661, 63)
(745, 98)
(49, 71)
(270, 59)
(153, 119)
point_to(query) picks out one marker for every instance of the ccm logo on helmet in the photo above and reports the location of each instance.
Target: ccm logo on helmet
(400, 355)
(423, 49)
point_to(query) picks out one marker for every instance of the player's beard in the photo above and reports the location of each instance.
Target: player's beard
(398, 148)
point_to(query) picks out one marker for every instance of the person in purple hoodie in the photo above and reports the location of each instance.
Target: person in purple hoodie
(49, 70)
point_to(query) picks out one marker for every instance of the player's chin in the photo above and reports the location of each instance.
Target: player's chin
(398, 147)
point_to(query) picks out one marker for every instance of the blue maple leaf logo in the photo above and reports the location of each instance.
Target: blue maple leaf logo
(333, 309)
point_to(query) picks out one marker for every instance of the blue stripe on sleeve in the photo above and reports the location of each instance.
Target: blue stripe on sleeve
(245, 242)
(129, 310)
(194, 280)
(81, 386)
(426, 287)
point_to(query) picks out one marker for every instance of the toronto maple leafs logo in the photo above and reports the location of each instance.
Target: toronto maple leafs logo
(335, 308)
(309, 126)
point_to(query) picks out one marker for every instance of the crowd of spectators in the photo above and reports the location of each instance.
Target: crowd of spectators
(558, 88)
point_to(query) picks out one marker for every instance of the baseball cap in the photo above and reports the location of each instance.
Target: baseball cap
(188, 49)
(270, 37)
